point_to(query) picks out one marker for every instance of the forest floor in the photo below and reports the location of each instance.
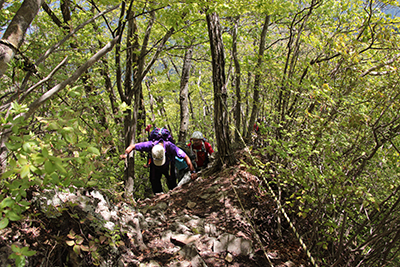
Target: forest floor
(234, 200)
(249, 198)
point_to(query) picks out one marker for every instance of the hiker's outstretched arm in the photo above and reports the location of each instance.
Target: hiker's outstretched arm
(127, 150)
(189, 163)
(130, 148)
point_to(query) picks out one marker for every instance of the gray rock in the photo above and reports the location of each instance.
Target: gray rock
(231, 243)
(182, 239)
(185, 179)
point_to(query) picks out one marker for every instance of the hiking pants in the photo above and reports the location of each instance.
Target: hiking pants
(155, 177)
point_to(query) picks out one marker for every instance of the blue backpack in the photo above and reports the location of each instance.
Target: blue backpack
(181, 164)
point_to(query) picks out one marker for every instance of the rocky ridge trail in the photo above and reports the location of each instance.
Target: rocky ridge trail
(223, 220)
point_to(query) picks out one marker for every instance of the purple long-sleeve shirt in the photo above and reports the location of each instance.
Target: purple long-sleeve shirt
(171, 150)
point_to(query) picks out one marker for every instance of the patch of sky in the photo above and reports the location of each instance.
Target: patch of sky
(392, 10)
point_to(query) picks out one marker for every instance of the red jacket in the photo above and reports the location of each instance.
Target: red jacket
(201, 152)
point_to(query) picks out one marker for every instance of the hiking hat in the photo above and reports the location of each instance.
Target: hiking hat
(197, 135)
(158, 153)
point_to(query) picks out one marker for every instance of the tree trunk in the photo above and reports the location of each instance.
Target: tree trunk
(256, 92)
(238, 105)
(133, 91)
(130, 119)
(221, 126)
(184, 95)
(14, 35)
(151, 102)
(246, 112)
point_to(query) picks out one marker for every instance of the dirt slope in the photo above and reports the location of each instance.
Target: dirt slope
(226, 219)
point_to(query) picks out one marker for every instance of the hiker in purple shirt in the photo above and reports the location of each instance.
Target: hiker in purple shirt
(162, 152)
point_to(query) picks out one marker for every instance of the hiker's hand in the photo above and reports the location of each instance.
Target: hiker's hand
(193, 176)
(146, 165)
(123, 156)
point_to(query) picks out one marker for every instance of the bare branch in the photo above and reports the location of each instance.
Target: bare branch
(370, 70)
(36, 104)
(45, 79)
(54, 47)
(6, 106)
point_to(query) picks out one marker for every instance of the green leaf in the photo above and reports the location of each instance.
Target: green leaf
(77, 249)
(79, 240)
(15, 248)
(30, 253)
(25, 251)
(124, 106)
(92, 183)
(13, 146)
(25, 171)
(13, 216)
(68, 129)
(55, 178)
(70, 242)
(27, 147)
(60, 167)
(93, 150)
(7, 174)
(53, 126)
(45, 152)
(78, 183)
(22, 192)
(24, 203)
(83, 144)
(15, 129)
(33, 168)
(20, 261)
(22, 161)
(38, 159)
(13, 256)
(4, 223)
(85, 248)
(49, 167)
(7, 202)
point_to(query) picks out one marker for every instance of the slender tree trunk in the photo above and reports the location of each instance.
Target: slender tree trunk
(110, 90)
(206, 108)
(99, 109)
(221, 126)
(245, 114)
(293, 52)
(151, 102)
(237, 79)
(130, 119)
(257, 79)
(184, 95)
(141, 117)
(136, 71)
(14, 35)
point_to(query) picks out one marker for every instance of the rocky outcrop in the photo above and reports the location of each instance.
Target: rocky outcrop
(224, 220)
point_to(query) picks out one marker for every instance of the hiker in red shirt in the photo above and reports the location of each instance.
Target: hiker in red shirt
(201, 149)
(256, 127)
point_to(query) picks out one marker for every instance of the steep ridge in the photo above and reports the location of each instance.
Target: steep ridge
(226, 219)
(222, 220)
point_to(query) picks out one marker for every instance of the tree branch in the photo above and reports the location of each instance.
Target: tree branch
(54, 47)
(36, 104)
(370, 70)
